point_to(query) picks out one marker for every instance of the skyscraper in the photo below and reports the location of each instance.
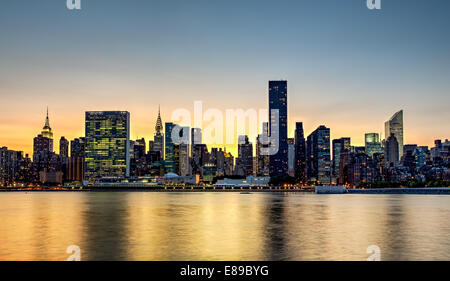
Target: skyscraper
(372, 144)
(339, 146)
(158, 139)
(262, 158)
(278, 163)
(64, 147)
(76, 162)
(197, 150)
(184, 162)
(107, 152)
(291, 157)
(391, 153)
(47, 130)
(64, 156)
(319, 159)
(169, 160)
(43, 156)
(244, 162)
(300, 152)
(44, 141)
(394, 126)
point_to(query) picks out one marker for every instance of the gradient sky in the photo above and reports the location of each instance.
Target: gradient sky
(347, 67)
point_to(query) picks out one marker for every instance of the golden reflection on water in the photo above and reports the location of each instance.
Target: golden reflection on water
(222, 226)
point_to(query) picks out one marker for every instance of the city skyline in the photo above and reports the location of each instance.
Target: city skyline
(348, 67)
(355, 140)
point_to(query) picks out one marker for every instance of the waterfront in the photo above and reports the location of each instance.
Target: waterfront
(222, 226)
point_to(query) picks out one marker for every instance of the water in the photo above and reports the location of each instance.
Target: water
(223, 226)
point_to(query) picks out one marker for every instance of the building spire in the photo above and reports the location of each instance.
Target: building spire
(158, 127)
(47, 131)
(47, 122)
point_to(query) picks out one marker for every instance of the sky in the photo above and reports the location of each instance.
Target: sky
(348, 67)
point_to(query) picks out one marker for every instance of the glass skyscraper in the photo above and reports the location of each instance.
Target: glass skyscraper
(339, 146)
(319, 159)
(278, 163)
(372, 144)
(107, 152)
(169, 160)
(394, 126)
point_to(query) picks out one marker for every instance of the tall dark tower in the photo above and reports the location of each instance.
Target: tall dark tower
(278, 163)
(300, 152)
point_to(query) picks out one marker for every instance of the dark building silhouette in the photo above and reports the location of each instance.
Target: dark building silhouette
(319, 159)
(278, 163)
(262, 157)
(76, 161)
(391, 151)
(300, 152)
(244, 162)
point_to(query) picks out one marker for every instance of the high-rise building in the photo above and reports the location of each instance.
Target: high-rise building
(421, 155)
(372, 144)
(47, 165)
(278, 122)
(360, 169)
(291, 157)
(43, 151)
(43, 143)
(169, 161)
(319, 158)
(244, 162)
(440, 153)
(391, 153)
(76, 162)
(394, 126)
(158, 139)
(300, 152)
(138, 158)
(184, 161)
(14, 167)
(262, 148)
(64, 156)
(77, 147)
(47, 130)
(64, 147)
(409, 159)
(107, 152)
(198, 150)
(42, 147)
(339, 146)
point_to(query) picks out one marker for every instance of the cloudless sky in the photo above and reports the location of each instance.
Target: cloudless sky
(348, 67)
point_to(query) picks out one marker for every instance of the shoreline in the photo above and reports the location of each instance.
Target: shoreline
(412, 191)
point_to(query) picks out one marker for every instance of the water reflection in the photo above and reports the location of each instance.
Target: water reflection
(223, 226)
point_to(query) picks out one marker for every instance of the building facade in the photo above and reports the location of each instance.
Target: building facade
(318, 151)
(107, 147)
(278, 126)
(394, 126)
(372, 144)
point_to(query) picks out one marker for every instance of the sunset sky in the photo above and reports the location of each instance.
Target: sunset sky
(347, 67)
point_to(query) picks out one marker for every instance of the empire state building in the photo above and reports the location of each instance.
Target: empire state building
(47, 130)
